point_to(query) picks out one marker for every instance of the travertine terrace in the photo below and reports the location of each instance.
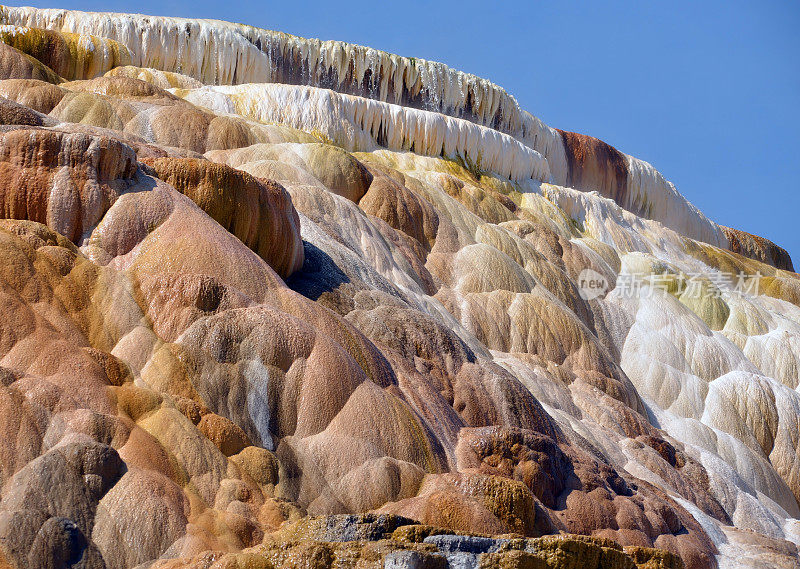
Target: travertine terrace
(276, 302)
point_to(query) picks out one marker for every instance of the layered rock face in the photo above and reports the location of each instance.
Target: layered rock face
(275, 302)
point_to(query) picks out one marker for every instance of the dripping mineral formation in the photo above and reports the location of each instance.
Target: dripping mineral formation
(276, 302)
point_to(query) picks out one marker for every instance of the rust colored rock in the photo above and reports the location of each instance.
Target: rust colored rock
(259, 463)
(117, 372)
(758, 248)
(337, 169)
(595, 165)
(534, 459)
(259, 212)
(14, 113)
(471, 503)
(228, 437)
(389, 200)
(38, 95)
(66, 181)
(17, 65)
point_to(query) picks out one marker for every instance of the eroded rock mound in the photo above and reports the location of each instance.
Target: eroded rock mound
(71, 56)
(15, 64)
(65, 180)
(259, 213)
(758, 248)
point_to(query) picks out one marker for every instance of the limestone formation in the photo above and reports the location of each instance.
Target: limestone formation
(277, 302)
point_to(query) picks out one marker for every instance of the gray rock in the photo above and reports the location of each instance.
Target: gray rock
(461, 560)
(461, 543)
(414, 560)
(365, 527)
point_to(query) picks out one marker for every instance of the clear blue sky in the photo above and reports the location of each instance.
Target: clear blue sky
(708, 92)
